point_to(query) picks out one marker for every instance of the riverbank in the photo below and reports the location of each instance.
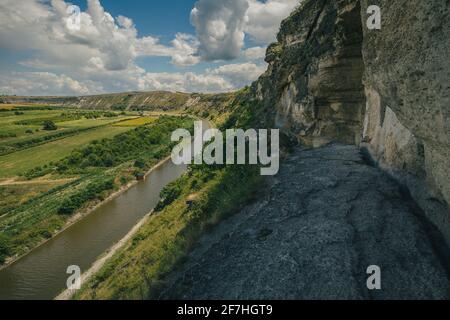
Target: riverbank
(100, 262)
(82, 214)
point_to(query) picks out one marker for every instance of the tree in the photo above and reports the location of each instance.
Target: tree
(139, 163)
(49, 125)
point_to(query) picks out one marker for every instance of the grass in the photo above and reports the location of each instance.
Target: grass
(19, 162)
(137, 270)
(20, 134)
(15, 195)
(136, 122)
(6, 106)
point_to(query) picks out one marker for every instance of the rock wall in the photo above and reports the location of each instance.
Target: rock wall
(330, 78)
(314, 78)
(406, 79)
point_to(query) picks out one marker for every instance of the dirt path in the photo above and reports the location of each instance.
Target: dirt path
(14, 182)
(327, 217)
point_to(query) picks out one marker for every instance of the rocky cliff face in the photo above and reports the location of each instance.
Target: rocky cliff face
(407, 125)
(330, 78)
(315, 73)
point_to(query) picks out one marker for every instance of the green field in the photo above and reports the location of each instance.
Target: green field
(28, 125)
(19, 162)
(47, 181)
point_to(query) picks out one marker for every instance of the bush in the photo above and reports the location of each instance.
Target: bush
(4, 248)
(205, 114)
(91, 192)
(169, 194)
(29, 131)
(123, 180)
(8, 135)
(139, 163)
(49, 126)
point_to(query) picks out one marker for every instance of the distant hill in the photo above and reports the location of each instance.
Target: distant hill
(137, 101)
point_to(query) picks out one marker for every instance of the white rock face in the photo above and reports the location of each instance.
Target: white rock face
(390, 143)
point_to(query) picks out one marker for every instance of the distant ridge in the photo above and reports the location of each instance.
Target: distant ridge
(138, 101)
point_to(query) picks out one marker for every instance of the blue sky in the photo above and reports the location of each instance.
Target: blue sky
(176, 45)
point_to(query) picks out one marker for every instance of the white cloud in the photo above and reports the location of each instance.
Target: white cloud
(221, 79)
(264, 18)
(35, 25)
(101, 56)
(240, 74)
(220, 27)
(42, 83)
(185, 49)
(254, 53)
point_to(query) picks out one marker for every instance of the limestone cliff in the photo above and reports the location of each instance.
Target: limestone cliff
(330, 78)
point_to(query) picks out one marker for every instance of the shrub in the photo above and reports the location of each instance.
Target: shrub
(139, 163)
(8, 135)
(91, 192)
(123, 180)
(169, 194)
(4, 248)
(49, 125)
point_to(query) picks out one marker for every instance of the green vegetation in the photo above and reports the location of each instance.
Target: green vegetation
(4, 248)
(49, 126)
(151, 142)
(19, 162)
(138, 270)
(14, 195)
(72, 173)
(25, 130)
(93, 191)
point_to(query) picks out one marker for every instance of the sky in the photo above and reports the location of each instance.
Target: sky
(83, 47)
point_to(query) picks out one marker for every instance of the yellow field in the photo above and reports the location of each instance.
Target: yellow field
(136, 122)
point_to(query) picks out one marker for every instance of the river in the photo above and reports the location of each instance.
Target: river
(42, 273)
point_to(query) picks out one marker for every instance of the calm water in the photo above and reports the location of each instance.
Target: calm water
(42, 274)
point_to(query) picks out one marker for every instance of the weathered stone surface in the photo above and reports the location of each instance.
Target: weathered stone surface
(314, 78)
(407, 72)
(326, 217)
(330, 78)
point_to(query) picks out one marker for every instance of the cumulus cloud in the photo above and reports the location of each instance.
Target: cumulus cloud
(101, 55)
(220, 27)
(221, 79)
(255, 53)
(264, 18)
(37, 83)
(239, 74)
(112, 42)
